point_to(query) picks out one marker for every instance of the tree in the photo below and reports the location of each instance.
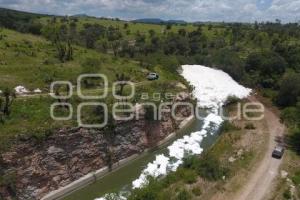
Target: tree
(110, 135)
(122, 78)
(113, 34)
(294, 140)
(61, 38)
(6, 101)
(268, 65)
(230, 62)
(91, 33)
(64, 49)
(289, 92)
(182, 32)
(169, 26)
(151, 33)
(115, 45)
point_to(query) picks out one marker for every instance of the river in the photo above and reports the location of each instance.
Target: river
(121, 179)
(212, 89)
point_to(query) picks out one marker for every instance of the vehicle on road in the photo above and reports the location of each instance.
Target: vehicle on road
(152, 76)
(278, 152)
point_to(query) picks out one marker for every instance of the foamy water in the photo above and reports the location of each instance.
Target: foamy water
(212, 89)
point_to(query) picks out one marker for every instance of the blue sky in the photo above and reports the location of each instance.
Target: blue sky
(189, 10)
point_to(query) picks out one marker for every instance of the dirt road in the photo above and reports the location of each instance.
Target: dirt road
(261, 181)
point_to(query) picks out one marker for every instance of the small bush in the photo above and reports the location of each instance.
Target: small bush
(91, 65)
(296, 178)
(184, 195)
(232, 100)
(250, 126)
(197, 191)
(150, 192)
(227, 126)
(207, 167)
(188, 176)
(170, 179)
(287, 194)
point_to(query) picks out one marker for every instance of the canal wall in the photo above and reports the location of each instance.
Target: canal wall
(94, 176)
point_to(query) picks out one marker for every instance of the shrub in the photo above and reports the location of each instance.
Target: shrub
(290, 115)
(294, 140)
(232, 100)
(227, 126)
(150, 192)
(289, 91)
(250, 126)
(91, 65)
(287, 194)
(296, 178)
(210, 168)
(207, 166)
(197, 191)
(184, 195)
(188, 176)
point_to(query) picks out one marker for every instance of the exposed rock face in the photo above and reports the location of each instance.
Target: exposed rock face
(72, 153)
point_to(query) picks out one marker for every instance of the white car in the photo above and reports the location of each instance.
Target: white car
(152, 76)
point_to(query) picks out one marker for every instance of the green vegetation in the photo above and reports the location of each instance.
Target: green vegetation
(250, 126)
(36, 50)
(296, 178)
(210, 170)
(207, 167)
(33, 62)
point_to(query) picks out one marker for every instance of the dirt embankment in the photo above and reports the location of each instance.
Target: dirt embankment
(255, 181)
(41, 167)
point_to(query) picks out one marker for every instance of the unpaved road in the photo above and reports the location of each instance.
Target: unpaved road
(261, 181)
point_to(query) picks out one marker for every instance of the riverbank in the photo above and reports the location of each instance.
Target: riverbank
(221, 170)
(94, 176)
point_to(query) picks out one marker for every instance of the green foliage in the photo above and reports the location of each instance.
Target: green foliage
(91, 33)
(232, 100)
(250, 126)
(291, 116)
(183, 195)
(230, 62)
(294, 140)
(287, 194)
(6, 101)
(197, 191)
(91, 65)
(289, 92)
(227, 127)
(188, 176)
(147, 193)
(21, 21)
(207, 166)
(296, 178)
(8, 179)
(268, 65)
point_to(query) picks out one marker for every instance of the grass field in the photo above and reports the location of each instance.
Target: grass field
(31, 61)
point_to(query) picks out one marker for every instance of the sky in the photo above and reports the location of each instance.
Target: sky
(189, 10)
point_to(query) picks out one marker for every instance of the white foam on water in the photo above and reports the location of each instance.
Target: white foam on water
(21, 90)
(188, 145)
(212, 89)
(38, 90)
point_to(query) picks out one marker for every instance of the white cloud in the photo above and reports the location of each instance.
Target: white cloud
(190, 10)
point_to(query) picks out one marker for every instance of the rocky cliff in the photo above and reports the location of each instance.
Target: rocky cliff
(69, 154)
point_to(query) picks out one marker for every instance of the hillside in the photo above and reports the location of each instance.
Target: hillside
(159, 21)
(37, 49)
(31, 61)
